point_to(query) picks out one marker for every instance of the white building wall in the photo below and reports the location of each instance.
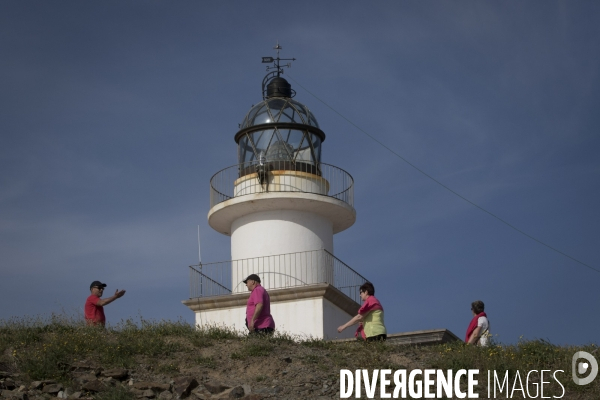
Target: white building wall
(277, 232)
(333, 316)
(316, 317)
(273, 232)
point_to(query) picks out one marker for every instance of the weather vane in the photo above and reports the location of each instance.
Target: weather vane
(276, 62)
(276, 69)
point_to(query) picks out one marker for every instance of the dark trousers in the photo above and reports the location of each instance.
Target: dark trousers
(377, 338)
(263, 331)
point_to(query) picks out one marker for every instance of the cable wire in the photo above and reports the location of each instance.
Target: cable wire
(441, 184)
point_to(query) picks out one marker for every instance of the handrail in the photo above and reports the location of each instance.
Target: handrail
(276, 272)
(281, 176)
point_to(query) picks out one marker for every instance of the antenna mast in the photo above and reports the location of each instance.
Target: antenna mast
(199, 254)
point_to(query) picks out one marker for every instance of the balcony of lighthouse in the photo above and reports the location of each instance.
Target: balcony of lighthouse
(283, 271)
(279, 176)
(261, 186)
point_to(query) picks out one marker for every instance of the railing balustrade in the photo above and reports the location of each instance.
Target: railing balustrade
(276, 272)
(281, 176)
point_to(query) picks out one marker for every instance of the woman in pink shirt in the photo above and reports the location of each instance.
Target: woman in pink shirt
(370, 316)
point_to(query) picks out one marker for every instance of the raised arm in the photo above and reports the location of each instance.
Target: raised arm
(108, 300)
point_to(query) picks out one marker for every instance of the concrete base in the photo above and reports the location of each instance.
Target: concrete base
(419, 338)
(308, 311)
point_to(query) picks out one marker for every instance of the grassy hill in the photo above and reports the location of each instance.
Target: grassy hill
(44, 358)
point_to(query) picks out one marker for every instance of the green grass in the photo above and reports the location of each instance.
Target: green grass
(208, 362)
(525, 356)
(46, 348)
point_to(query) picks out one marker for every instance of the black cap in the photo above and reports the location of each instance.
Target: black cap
(254, 277)
(97, 284)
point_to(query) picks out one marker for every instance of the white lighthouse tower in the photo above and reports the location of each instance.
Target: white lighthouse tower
(281, 206)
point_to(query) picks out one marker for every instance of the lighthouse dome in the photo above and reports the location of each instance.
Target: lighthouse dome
(279, 109)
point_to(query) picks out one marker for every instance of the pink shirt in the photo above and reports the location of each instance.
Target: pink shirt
(94, 314)
(370, 304)
(264, 319)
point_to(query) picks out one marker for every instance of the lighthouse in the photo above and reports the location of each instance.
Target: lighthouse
(281, 205)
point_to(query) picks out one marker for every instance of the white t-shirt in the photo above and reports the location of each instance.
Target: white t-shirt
(484, 332)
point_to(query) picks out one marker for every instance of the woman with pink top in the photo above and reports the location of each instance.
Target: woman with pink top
(370, 316)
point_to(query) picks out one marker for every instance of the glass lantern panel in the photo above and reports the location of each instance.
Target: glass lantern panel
(301, 112)
(287, 115)
(279, 110)
(262, 117)
(276, 105)
(246, 153)
(279, 151)
(261, 140)
(292, 137)
(249, 119)
(316, 141)
(305, 155)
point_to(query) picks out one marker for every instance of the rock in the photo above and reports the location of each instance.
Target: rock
(137, 393)
(236, 393)
(83, 365)
(84, 378)
(201, 393)
(9, 384)
(183, 385)
(252, 397)
(94, 386)
(223, 395)
(148, 393)
(14, 394)
(141, 385)
(35, 385)
(53, 388)
(116, 373)
(272, 390)
(75, 395)
(247, 389)
(159, 387)
(230, 393)
(287, 359)
(166, 395)
(215, 387)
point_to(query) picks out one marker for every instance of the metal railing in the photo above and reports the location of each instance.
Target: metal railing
(276, 272)
(281, 176)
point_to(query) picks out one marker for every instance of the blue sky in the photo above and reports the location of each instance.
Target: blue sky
(116, 114)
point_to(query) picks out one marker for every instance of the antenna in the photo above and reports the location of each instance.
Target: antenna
(199, 254)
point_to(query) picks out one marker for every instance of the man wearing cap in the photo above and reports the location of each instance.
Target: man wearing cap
(258, 308)
(94, 305)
